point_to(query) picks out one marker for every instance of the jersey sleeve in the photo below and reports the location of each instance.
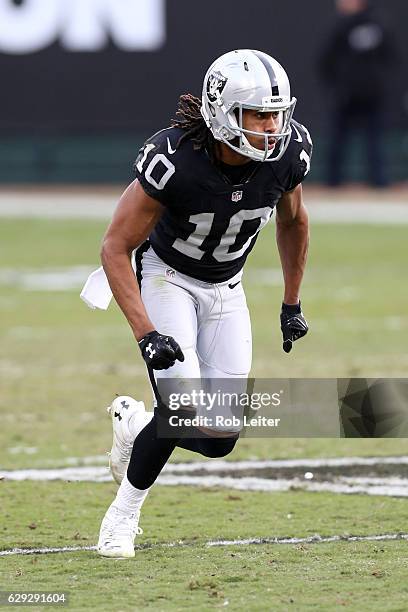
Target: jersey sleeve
(301, 156)
(155, 169)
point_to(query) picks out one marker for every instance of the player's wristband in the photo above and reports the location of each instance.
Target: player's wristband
(291, 309)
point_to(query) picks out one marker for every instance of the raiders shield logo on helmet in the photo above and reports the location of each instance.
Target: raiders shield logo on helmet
(215, 85)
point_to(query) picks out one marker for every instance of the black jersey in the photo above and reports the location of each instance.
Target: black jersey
(210, 224)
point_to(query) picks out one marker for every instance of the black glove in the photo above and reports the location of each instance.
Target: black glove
(293, 325)
(160, 352)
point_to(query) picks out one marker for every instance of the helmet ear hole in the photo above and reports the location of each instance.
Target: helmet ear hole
(225, 133)
(212, 110)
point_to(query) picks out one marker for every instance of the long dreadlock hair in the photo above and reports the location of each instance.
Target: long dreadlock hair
(190, 119)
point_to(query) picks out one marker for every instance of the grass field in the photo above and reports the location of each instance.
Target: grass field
(361, 576)
(61, 364)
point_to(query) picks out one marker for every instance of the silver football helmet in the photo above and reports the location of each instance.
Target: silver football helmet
(247, 79)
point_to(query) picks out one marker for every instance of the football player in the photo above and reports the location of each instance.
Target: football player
(204, 188)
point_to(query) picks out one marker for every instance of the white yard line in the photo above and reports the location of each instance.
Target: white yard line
(57, 205)
(221, 464)
(286, 463)
(214, 465)
(209, 476)
(78, 474)
(386, 213)
(382, 486)
(43, 551)
(217, 474)
(315, 539)
(46, 279)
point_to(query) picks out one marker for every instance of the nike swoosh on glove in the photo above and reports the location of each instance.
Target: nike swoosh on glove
(293, 325)
(160, 352)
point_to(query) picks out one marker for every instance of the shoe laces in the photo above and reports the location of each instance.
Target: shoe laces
(125, 450)
(124, 526)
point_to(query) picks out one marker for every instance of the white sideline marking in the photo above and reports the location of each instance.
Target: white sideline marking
(92, 460)
(58, 205)
(79, 474)
(101, 474)
(216, 474)
(22, 450)
(392, 487)
(43, 551)
(370, 213)
(315, 539)
(222, 464)
(381, 486)
(46, 279)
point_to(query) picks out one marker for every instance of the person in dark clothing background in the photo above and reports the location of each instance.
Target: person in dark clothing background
(356, 64)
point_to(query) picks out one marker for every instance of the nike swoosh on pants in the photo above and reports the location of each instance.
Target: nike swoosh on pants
(231, 286)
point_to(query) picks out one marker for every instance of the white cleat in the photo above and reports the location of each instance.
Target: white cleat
(117, 534)
(129, 417)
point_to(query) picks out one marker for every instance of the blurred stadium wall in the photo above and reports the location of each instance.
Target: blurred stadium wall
(84, 82)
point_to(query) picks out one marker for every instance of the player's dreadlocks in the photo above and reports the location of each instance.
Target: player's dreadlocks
(190, 119)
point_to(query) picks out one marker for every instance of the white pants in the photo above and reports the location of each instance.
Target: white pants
(209, 321)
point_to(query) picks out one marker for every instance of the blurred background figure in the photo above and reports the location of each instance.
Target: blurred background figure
(356, 64)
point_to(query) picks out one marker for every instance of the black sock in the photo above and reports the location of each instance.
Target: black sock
(150, 453)
(188, 444)
(208, 446)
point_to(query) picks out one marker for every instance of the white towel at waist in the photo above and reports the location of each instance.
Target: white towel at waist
(96, 292)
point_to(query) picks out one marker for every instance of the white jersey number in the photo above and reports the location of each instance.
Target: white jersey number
(204, 221)
(222, 252)
(304, 156)
(157, 159)
(191, 246)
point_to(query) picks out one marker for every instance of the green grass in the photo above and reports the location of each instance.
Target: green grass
(323, 576)
(61, 364)
(362, 576)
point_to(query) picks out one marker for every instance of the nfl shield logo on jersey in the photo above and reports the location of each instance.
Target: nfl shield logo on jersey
(170, 273)
(236, 196)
